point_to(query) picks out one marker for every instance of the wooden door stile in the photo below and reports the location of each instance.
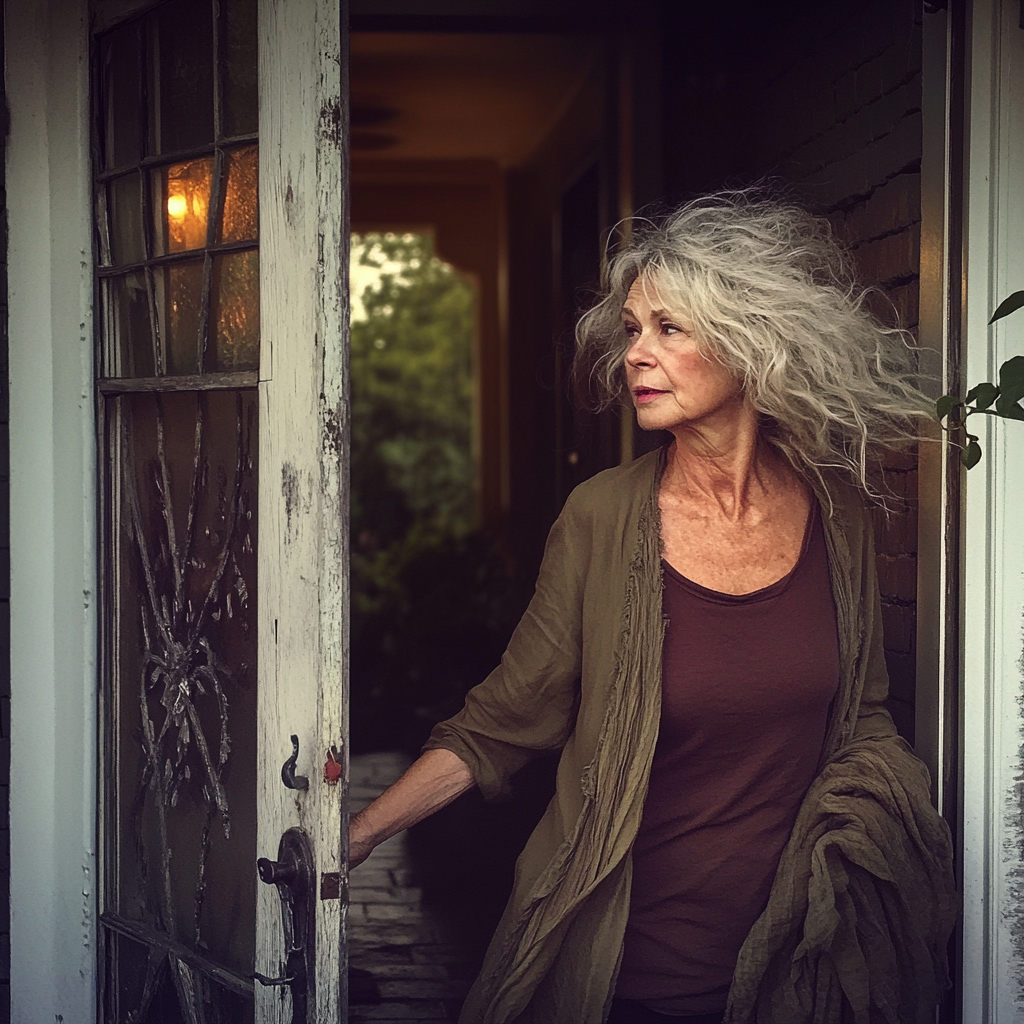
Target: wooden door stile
(303, 444)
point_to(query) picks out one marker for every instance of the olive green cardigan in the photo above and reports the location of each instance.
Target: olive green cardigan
(863, 902)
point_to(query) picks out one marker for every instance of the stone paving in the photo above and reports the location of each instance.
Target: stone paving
(420, 962)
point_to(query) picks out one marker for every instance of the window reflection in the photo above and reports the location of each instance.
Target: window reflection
(181, 86)
(177, 195)
(239, 115)
(126, 219)
(182, 205)
(240, 220)
(180, 294)
(119, 60)
(235, 312)
(126, 325)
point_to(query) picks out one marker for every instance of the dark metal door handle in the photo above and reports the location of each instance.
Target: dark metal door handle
(288, 776)
(293, 874)
(264, 980)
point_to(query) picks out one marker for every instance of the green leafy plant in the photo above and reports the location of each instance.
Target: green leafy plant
(1002, 399)
(432, 607)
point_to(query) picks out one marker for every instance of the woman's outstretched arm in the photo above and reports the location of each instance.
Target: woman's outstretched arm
(432, 782)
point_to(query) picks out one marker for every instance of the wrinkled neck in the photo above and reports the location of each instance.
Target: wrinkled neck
(727, 468)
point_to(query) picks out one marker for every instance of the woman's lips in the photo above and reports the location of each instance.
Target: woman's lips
(643, 395)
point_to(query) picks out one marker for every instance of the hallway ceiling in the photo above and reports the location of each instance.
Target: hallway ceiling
(462, 96)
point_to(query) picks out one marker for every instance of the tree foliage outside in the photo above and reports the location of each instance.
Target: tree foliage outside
(426, 583)
(412, 395)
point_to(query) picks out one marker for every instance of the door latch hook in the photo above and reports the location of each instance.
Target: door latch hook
(288, 776)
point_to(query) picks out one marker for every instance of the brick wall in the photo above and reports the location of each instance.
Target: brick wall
(840, 118)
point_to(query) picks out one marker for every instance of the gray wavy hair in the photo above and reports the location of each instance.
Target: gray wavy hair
(771, 293)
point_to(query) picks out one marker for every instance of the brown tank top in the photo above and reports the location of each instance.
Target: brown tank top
(746, 686)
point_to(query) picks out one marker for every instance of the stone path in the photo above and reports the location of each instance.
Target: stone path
(420, 963)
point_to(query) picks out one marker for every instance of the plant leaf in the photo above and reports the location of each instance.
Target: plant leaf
(1011, 385)
(944, 405)
(971, 455)
(1010, 396)
(1009, 408)
(1012, 374)
(1008, 306)
(983, 395)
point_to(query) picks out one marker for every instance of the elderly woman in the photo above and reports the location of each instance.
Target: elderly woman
(737, 831)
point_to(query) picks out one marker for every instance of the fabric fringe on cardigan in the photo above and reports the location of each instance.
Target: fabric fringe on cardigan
(614, 788)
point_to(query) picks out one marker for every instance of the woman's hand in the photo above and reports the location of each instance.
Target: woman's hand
(436, 779)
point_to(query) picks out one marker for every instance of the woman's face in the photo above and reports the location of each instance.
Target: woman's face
(674, 385)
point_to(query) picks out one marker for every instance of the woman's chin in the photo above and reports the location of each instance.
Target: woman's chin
(649, 427)
(648, 420)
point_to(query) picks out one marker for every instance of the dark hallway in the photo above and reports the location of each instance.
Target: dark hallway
(520, 139)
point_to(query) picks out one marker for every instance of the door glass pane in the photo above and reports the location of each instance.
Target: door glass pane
(126, 324)
(124, 987)
(226, 1007)
(142, 988)
(181, 41)
(179, 739)
(120, 97)
(102, 226)
(186, 657)
(125, 211)
(235, 312)
(179, 289)
(181, 205)
(240, 219)
(239, 115)
(164, 1007)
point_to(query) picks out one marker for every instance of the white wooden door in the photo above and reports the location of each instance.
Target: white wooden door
(222, 378)
(303, 444)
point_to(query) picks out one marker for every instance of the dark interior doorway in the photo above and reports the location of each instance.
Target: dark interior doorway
(521, 134)
(500, 146)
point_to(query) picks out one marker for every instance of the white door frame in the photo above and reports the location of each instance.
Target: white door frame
(993, 596)
(53, 502)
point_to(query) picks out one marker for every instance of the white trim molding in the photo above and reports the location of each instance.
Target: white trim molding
(993, 616)
(53, 501)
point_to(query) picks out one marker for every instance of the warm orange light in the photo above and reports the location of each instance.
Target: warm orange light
(187, 190)
(177, 206)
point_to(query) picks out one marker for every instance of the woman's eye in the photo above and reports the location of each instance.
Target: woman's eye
(631, 330)
(668, 328)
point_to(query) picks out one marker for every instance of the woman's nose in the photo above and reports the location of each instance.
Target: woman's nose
(639, 352)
